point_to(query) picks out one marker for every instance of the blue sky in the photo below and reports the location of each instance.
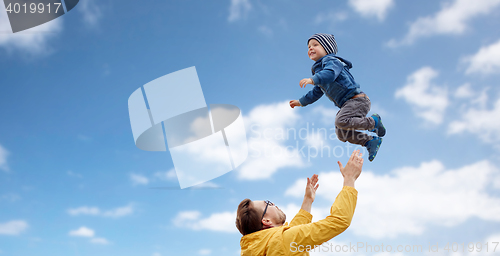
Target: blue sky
(72, 181)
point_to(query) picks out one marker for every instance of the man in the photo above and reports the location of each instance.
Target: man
(265, 232)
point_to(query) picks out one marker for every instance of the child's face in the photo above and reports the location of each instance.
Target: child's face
(316, 51)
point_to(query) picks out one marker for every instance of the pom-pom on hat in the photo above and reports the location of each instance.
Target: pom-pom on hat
(327, 41)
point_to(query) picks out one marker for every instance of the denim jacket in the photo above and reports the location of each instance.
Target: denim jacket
(331, 76)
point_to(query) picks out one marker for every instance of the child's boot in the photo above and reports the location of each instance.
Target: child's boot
(372, 146)
(379, 127)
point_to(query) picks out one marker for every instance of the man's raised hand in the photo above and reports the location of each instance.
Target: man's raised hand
(311, 187)
(352, 169)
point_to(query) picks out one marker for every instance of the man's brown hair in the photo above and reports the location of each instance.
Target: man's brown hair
(248, 219)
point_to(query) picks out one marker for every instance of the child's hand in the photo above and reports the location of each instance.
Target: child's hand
(295, 103)
(305, 81)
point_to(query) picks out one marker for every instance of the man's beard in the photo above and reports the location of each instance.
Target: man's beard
(282, 217)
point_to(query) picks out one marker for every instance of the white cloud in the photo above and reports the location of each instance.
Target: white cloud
(372, 8)
(408, 200)
(480, 121)
(221, 222)
(87, 232)
(464, 91)
(292, 209)
(451, 19)
(318, 139)
(268, 129)
(215, 158)
(168, 175)
(91, 12)
(33, 41)
(3, 159)
(99, 240)
(198, 128)
(95, 211)
(204, 252)
(119, 212)
(486, 61)
(298, 188)
(429, 101)
(475, 97)
(265, 30)
(186, 216)
(238, 9)
(327, 115)
(199, 160)
(494, 238)
(84, 210)
(82, 231)
(13, 228)
(138, 179)
(205, 185)
(377, 108)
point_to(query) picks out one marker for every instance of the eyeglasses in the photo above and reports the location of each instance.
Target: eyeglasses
(265, 210)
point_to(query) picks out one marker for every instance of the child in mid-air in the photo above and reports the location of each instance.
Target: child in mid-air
(331, 77)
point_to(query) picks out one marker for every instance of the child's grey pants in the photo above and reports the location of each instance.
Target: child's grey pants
(352, 117)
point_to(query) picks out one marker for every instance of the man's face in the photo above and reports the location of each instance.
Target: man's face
(273, 213)
(316, 51)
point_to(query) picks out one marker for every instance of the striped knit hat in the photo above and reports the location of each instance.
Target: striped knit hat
(327, 41)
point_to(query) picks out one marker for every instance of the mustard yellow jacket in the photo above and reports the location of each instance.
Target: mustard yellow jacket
(302, 235)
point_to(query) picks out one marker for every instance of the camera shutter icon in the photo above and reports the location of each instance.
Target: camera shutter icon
(204, 142)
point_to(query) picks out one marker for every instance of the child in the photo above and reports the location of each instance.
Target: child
(331, 77)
